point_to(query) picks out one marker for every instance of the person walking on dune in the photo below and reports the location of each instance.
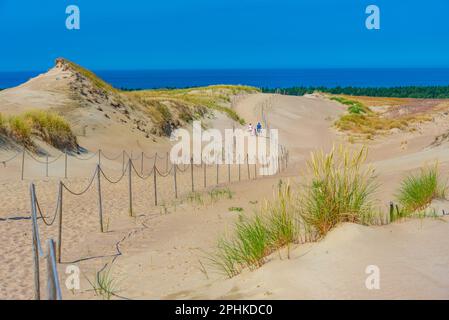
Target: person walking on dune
(259, 128)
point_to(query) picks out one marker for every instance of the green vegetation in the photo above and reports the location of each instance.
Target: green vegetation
(355, 107)
(272, 228)
(235, 209)
(425, 92)
(220, 193)
(98, 82)
(188, 104)
(248, 247)
(48, 126)
(338, 187)
(104, 284)
(340, 190)
(361, 120)
(418, 190)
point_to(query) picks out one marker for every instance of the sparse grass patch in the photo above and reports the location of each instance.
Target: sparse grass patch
(361, 120)
(339, 190)
(418, 190)
(195, 198)
(104, 284)
(220, 193)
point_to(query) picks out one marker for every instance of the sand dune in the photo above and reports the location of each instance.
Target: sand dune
(161, 253)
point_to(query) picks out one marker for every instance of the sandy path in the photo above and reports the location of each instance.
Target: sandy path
(162, 253)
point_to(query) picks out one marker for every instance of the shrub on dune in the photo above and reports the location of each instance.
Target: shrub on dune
(418, 190)
(273, 227)
(20, 130)
(52, 128)
(248, 247)
(339, 190)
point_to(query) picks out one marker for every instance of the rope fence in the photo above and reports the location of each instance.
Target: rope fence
(53, 284)
(54, 250)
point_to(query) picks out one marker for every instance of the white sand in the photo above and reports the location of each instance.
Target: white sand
(162, 252)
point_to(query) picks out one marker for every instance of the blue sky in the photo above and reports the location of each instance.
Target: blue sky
(189, 34)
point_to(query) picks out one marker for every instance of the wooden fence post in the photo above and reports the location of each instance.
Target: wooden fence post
(100, 204)
(123, 161)
(65, 164)
(141, 164)
(51, 284)
(191, 174)
(60, 223)
(130, 188)
(155, 184)
(37, 294)
(23, 162)
(46, 165)
(167, 156)
(218, 166)
(255, 169)
(204, 174)
(247, 166)
(175, 181)
(239, 169)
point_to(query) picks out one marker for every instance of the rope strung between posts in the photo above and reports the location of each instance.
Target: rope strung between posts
(114, 181)
(84, 190)
(88, 158)
(48, 224)
(44, 162)
(111, 158)
(138, 174)
(10, 159)
(182, 170)
(53, 285)
(166, 174)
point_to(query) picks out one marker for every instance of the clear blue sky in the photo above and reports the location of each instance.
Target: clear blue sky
(159, 34)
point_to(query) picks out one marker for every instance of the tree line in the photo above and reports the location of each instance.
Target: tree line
(417, 92)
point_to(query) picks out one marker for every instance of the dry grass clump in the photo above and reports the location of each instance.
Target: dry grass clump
(192, 103)
(361, 120)
(52, 128)
(49, 126)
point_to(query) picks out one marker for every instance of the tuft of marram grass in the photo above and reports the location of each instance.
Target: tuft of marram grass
(52, 128)
(273, 227)
(418, 190)
(104, 284)
(340, 190)
(49, 126)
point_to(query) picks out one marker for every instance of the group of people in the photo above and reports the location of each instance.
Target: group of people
(257, 130)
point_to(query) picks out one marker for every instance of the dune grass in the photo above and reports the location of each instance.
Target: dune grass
(104, 284)
(361, 120)
(418, 190)
(354, 107)
(340, 190)
(52, 128)
(254, 238)
(49, 126)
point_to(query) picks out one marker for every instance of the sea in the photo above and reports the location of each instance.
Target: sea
(262, 78)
